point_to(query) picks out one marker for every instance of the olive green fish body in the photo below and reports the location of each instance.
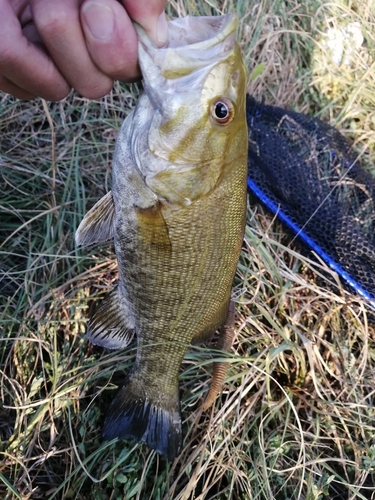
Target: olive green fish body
(178, 264)
(177, 215)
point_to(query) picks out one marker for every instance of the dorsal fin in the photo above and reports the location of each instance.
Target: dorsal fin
(98, 225)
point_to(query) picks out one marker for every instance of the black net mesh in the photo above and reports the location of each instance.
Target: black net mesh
(306, 172)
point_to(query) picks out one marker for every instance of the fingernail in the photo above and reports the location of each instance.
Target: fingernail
(99, 19)
(162, 29)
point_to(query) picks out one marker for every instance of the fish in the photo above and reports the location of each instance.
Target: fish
(177, 213)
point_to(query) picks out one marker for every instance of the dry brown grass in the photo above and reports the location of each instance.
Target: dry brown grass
(296, 417)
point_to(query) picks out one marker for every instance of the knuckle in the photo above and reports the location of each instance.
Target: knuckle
(119, 70)
(50, 84)
(52, 23)
(9, 88)
(95, 90)
(55, 95)
(53, 87)
(117, 64)
(7, 54)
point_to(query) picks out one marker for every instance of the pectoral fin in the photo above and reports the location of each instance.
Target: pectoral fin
(112, 325)
(152, 228)
(99, 222)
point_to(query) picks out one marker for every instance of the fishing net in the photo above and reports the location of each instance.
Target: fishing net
(306, 173)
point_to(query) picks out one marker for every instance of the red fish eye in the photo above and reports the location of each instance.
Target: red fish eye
(222, 111)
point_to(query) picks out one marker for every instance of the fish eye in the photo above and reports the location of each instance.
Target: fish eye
(222, 111)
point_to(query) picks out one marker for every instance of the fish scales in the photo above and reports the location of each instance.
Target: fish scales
(173, 301)
(177, 216)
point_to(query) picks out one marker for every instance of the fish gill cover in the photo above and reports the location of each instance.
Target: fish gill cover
(306, 173)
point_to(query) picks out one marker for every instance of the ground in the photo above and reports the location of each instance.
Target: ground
(296, 416)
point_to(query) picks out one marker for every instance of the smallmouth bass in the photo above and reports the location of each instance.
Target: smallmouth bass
(177, 213)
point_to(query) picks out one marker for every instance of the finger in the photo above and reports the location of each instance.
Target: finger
(23, 64)
(111, 39)
(30, 32)
(59, 26)
(23, 12)
(10, 88)
(150, 15)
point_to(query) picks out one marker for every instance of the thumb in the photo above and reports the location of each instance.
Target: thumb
(110, 39)
(151, 16)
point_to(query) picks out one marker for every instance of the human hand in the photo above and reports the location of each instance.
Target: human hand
(48, 47)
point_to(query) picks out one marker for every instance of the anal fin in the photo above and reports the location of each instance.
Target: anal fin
(98, 224)
(220, 368)
(111, 325)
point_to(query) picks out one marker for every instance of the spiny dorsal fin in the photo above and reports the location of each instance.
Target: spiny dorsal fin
(99, 222)
(111, 325)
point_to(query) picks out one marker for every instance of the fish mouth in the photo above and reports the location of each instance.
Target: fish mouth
(193, 43)
(200, 32)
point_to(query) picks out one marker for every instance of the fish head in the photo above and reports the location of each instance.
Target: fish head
(195, 105)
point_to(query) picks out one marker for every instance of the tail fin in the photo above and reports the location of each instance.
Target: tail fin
(156, 422)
